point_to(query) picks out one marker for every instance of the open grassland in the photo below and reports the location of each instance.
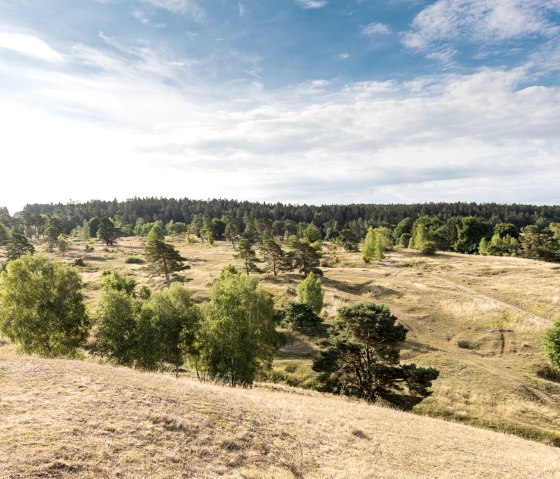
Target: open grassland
(453, 305)
(79, 419)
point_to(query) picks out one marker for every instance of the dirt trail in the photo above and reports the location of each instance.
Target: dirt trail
(533, 317)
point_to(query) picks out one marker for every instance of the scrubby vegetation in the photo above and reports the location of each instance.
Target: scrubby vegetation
(477, 320)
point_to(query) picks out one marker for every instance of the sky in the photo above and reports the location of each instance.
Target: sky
(297, 101)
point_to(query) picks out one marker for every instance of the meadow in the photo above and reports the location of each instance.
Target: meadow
(478, 319)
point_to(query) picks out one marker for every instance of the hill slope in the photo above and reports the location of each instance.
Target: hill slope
(63, 419)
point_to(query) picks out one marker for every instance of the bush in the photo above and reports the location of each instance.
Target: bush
(134, 260)
(428, 248)
(300, 317)
(80, 262)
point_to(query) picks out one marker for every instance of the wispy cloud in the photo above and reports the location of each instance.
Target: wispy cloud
(308, 4)
(376, 29)
(242, 9)
(448, 22)
(29, 45)
(366, 141)
(184, 7)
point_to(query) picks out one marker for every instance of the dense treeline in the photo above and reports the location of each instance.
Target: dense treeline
(329, 218)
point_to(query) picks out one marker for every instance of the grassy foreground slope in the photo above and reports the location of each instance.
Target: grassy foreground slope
(77, 419)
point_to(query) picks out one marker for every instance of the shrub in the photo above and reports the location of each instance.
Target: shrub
(134, 260)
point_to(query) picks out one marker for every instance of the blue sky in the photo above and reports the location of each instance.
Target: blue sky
(313, 101)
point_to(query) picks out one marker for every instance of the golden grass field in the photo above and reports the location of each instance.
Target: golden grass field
(78, 419)
(452, 305)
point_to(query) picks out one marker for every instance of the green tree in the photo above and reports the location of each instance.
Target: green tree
(3, 235)
(404, 227)
(347, 238)
(165, 259)
(53, 229)
(118, 309)
(62, 244)
(106, 231)
(231, 232)
(170, 319)
(300, 317)
(311, 293)
(42, 307)
(238, 337)
(552, 345)
(312, 234)
(305, 258)
(273, 254)
(94, 226)
(361, 358)
(247, 254)
(469, 233)
(368, 252)
(18, 246)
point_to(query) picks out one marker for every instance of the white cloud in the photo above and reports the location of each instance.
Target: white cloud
(376, 29)
(29, 45)
(343, 56)
(184, 7)
(447, 22)
(307, 4)
(242, 9)
(140, 114)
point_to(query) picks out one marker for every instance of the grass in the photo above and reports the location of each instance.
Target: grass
(451, 303)
(79, 419)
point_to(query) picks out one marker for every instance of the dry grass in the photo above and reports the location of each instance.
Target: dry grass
(77, 419)
(450, 303)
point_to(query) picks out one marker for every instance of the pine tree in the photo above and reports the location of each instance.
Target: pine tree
(246, 253)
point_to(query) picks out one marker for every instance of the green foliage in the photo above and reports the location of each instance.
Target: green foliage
(134, 260)
(361, 358)
(404, 240)
(428, 248)
(312, 234)
(238, 338)
(164, 259)
(116, 338)
(18, 246)
(62, 244)
(347, 238)
(107, 231)
(470, 231)
(79, 262)
(311, 293)
(53, 229)
(3, 235)
(552, 345)
(247, 254)
(94, 226)
(538, 244)
(273, 254)
(303, 257)
(42, 307)
(404, 227)
(368, 252)
(168, 324)
(300, 317)
(116, 281)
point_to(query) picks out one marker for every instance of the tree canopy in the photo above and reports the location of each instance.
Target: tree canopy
(42, 307)
(361, 358)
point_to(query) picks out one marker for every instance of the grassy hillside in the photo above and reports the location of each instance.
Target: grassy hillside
(77, 419)
(454, 306)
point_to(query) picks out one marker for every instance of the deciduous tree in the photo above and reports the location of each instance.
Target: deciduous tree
(42, 307)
